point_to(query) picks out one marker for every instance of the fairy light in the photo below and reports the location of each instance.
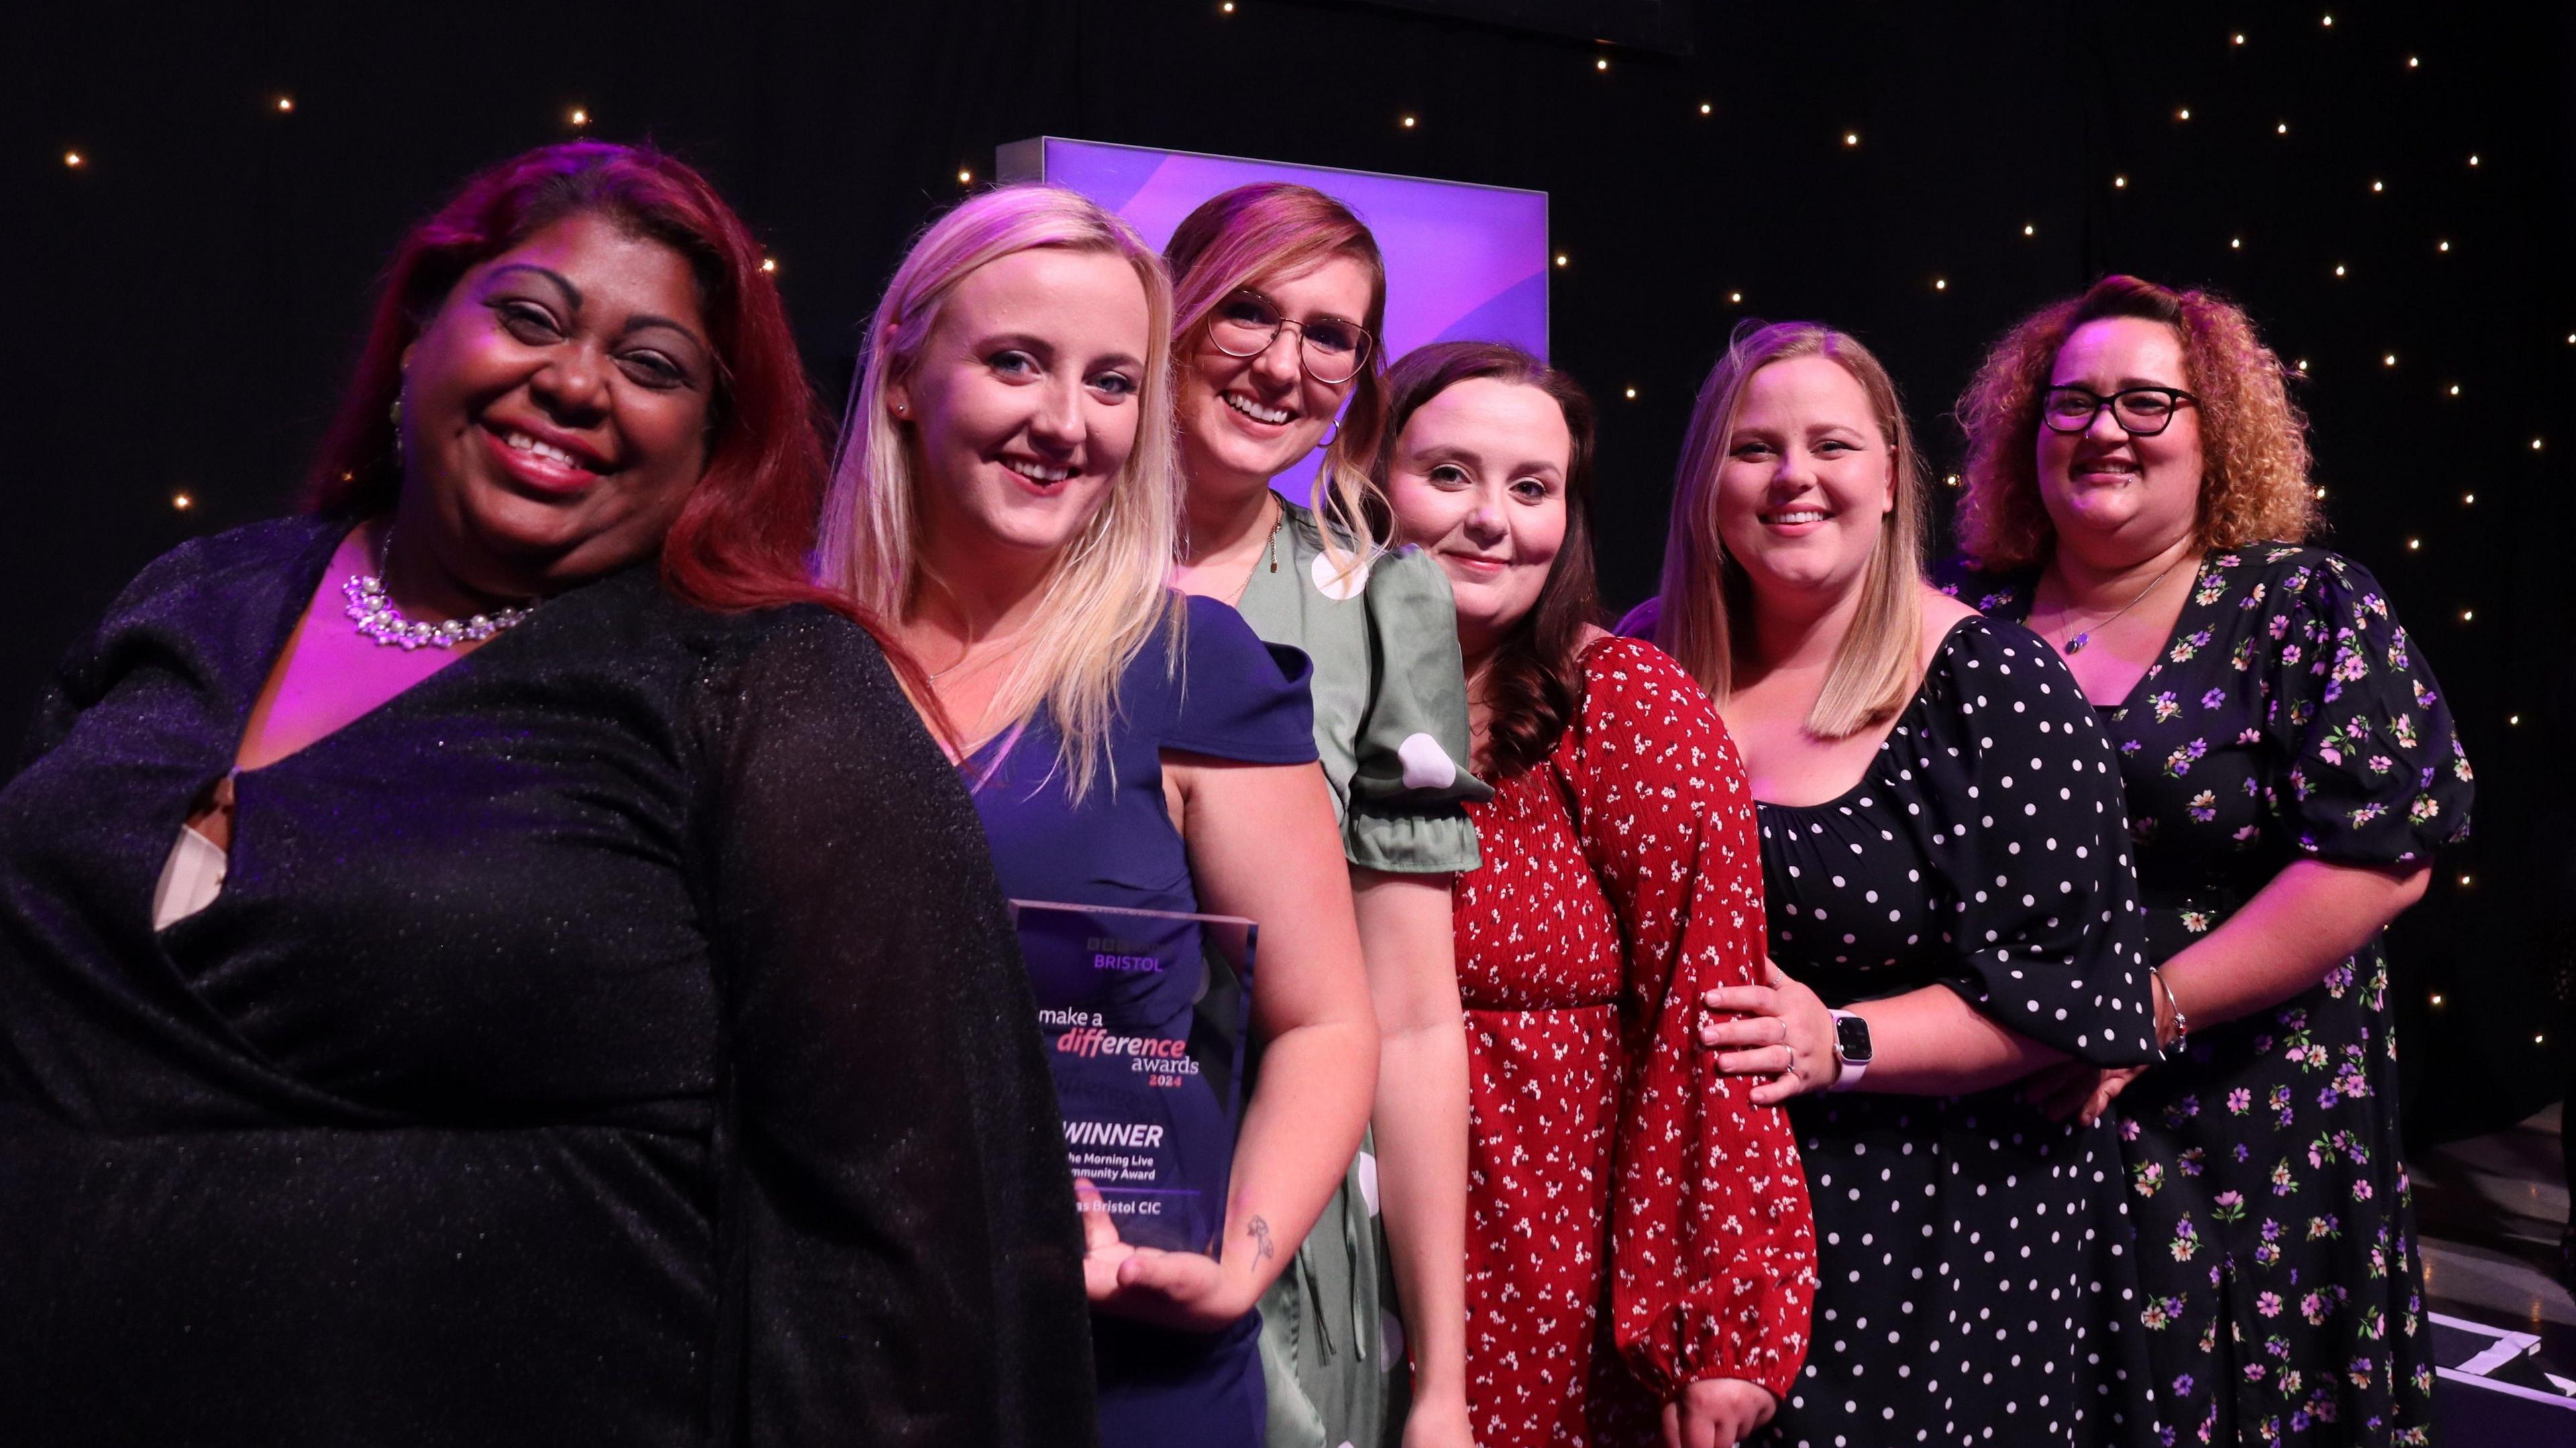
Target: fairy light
(2455, 389)
(1706, 109)
(580, 117)
(2437, 998)
(2468, 615)
(2513, 718)
(1408, 123)
(285, 104)
(2412, 62)
(2239, 38)
(2338, 269)
(2464, 880)
(1632, 394)
(769, 264)
(1601, 62)
(1735, 299)
(2184, 114)
(75, 161)
(2468, 499)
(2235, 243)
(2388, 361)
(2120, 183)
(2473, 160)
(1940, 284)
(2414, 544)
(1561, 258)
(2441, 246)
(2300, 366)
(2028, 230)
(965, 177)
(2282, 129)
(2376, 187)
(2329, 22)
(1227, 8)
(1851, 138)
(182, 502)
(2535, 444)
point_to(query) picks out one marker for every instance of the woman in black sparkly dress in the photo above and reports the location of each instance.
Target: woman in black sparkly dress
(2138, 492)
(1950, 910)
(594, 1023)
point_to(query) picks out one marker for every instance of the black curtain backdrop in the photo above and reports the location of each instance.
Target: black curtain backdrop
(185, 301)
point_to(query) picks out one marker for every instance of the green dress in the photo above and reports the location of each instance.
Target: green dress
(1391, 725)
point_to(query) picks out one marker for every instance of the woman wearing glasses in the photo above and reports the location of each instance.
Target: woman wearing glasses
(2139, 483)
(1949, 909)
(1005, 496)
(1279, 298)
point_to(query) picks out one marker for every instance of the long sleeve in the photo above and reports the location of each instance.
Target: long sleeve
(1712, 1241)
(899, 1258)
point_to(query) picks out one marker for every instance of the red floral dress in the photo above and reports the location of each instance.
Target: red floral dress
(1613, 1175)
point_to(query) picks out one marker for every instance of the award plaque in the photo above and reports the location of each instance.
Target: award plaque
(1144, 1013)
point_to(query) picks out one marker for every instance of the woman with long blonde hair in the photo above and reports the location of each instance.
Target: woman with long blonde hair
(1950, 909)
(1280, 315)
(1005, 497)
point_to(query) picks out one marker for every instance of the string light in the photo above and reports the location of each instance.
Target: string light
(1560, 258)
(2329, 22)
(2299, 366)
(965, 177)
(769, 264)
(2464, 879)
(2184, 114)
(2119, 182)
(2535, 444)
(2377, 187)
(1601, 63)
(1408, 123)
(1706, 109)
(2441, 246)
(2437, 998)
(1940, 284)
(2412, 62)
(2473, 160)
(2321, 492)
(2338, 269)
(74, 160)
(2235, 243)
(2028, 230)
(1632, 394)
(285, 104)
(2455, 389)
(2388, 361)
(2467, 499)
(1851, 138)
(2414, 545)
(1227, 8)
(1735, 298)
(2513, 718)
(1951, 481)
(2240, 37)
(182, 502)
(580, 117)
(2468, 615)
(2282, 129)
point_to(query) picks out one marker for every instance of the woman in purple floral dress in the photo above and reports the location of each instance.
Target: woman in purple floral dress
(2137, 490)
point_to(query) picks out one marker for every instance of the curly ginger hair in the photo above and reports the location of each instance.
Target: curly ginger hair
(2254, 439)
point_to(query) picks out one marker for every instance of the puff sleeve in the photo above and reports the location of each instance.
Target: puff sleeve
(2025, 820)
(2376, 775)
(1712, 1239)
(1405, 810)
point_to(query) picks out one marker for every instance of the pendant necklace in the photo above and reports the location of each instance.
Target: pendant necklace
(2073, 646)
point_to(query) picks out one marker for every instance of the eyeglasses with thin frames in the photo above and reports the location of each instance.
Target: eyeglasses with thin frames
(2140, 411)
(1330, 349)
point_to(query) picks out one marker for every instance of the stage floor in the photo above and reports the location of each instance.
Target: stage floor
(2489, 1211)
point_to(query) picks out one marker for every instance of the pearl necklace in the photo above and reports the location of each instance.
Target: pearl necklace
(377, 618)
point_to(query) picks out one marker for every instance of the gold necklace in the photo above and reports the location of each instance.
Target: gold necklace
(2073, 646)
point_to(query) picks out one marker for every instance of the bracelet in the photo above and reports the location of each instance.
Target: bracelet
(2182, 1023)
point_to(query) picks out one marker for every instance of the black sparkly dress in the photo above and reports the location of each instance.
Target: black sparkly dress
(1975, 1276)
(2289, 717)
(616, 1037)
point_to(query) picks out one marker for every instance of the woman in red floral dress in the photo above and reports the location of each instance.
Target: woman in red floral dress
(1640, 1254)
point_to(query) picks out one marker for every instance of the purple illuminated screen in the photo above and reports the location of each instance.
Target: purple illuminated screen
(1462, 261)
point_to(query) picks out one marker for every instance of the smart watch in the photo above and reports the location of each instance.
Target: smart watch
(1851, 1047)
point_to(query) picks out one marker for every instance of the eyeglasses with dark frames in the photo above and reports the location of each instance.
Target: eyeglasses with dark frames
(1330, 349)
(2140, 411)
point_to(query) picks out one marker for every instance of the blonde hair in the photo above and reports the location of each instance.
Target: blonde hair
(1874, 671)
(1281, 228)
(2253, 439)
(1105, 596)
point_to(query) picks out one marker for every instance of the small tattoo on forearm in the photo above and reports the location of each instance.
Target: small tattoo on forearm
(1259, 1230)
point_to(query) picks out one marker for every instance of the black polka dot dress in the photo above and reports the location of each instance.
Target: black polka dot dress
(1976, 1274)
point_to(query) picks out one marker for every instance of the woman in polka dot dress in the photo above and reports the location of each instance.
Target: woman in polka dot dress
(1624, 1194)
(1279, 292)
(2139, 484)
(1951, 910)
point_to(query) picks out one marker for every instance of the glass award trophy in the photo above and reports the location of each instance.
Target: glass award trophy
(1144, 1013)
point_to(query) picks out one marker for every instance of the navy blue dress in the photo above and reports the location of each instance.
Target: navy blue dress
(1222, 692)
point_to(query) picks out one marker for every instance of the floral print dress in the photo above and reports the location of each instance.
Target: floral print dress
(1622, 1194)
(2289, 717)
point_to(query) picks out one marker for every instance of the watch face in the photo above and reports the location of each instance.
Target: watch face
(1851, 1039)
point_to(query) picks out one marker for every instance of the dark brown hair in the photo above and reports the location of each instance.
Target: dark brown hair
(2254, 482)
(1533, 682)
